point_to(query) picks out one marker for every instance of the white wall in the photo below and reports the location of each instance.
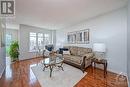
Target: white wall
(110, 29)
(24, 40)
(128, 44)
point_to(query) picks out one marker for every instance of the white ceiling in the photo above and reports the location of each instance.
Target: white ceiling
(57, 14)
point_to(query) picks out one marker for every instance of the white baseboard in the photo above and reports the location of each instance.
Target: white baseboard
(128, 81)
(111, 70)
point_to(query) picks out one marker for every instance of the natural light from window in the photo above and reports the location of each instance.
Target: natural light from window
(38, 41)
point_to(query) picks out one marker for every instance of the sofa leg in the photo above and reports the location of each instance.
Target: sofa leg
(82, 69)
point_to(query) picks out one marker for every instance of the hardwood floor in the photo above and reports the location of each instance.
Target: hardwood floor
(19, 74)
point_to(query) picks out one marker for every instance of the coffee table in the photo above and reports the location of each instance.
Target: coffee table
(53, 61)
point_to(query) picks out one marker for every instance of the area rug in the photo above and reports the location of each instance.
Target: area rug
(67, 78)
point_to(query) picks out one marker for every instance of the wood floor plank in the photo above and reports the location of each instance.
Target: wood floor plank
(19, 74)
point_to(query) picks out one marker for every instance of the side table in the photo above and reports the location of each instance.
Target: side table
(103, 62)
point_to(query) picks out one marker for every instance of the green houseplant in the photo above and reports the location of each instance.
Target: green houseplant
(14, 51)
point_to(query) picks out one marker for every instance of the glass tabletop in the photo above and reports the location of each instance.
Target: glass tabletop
(53, 60)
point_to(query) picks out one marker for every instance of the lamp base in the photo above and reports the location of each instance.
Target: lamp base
(99, 55)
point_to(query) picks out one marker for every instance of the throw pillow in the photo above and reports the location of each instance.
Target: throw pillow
(66, 52)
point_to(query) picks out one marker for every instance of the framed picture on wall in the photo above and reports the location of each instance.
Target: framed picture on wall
(86, 36)
(71, 37)
(74, 38)
(78, 37)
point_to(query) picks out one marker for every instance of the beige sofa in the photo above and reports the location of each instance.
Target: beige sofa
(79, 57)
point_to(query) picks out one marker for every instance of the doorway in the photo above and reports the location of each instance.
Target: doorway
(11, 35)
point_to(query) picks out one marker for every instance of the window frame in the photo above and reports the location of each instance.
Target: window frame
(30, 42)
(37, 43)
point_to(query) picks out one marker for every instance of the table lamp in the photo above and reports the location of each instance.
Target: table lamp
(99, 50)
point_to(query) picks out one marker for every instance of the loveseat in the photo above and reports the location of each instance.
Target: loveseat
(79, 57)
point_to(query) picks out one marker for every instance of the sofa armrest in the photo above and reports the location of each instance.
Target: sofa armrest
(89, 55)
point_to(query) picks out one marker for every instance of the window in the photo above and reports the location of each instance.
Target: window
(33, 41)
(38, 41)
(47, 38)
(8, 39)
(8, 43)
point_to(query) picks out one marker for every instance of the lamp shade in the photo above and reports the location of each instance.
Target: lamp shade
(99, 47)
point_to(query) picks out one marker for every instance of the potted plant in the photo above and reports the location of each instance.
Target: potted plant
(14, 51)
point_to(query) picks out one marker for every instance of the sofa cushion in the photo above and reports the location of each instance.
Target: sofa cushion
(82, 51)
(89, 55)
(62, 49)
(74, 51)
(66, 56)
(74, 59)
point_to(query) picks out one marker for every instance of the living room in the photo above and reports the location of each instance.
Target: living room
(90, 37)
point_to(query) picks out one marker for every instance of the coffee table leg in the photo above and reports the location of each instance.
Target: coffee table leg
(45, 66)
(51, 68)
(60, 66)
